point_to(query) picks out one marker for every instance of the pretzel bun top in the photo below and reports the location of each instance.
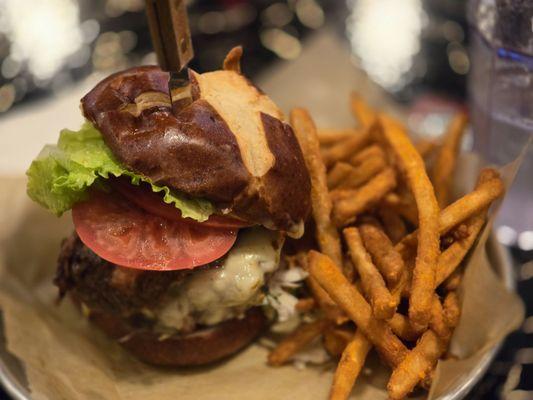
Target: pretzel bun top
(230, 145)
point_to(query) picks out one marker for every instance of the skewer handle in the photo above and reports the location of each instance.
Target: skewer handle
(171, 37)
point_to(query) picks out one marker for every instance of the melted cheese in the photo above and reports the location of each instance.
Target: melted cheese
(213, 295)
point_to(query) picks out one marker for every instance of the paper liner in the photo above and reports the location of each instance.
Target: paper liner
(64, 357)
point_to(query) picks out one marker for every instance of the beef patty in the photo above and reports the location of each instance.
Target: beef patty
(104, 286)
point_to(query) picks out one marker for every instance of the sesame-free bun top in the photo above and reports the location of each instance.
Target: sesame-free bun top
(230, 145)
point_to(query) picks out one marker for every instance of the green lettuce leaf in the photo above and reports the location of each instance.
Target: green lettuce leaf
(60, 176)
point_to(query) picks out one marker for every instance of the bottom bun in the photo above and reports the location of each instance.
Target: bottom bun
(200, 347)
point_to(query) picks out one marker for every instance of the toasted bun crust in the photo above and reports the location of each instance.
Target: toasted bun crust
(200, 347)
(229, 146)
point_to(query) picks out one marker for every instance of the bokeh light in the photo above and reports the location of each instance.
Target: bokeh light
(50, 32)
(385, 36)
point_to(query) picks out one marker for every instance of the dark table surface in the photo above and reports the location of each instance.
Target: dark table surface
(512, 370)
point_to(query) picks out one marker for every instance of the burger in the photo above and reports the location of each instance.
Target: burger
(180, 215)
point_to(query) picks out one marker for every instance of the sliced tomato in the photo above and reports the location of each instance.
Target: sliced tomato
(126, 235)
(154, 204)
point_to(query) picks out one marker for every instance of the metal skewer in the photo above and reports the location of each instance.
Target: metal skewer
(171, 38)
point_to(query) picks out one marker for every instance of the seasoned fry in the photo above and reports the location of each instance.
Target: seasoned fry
(349, 270)
(452, 309)
(354, 202)
(383, 305)
(450, 258)
(488, 188)
(415, 366)
(454, 280)
(387, 260)
(460, 210)
(368, 152)
(327, 235)
(344, 149)
(329, 307)
(327, 137)
(393, 224)
(296, 341)
(351, 363)
(444, 167)
(338, 173)
(400, 205)
(437, 322)
(402, 328)
(336, 339)
(363, 173)
(402, 288)
(377, 178)
(470, 204)
(341, 194)
(324, 301)
(428, 380)
(360, 109)
(412, 165)
(305, 305)
(355, 306)
(425, 147)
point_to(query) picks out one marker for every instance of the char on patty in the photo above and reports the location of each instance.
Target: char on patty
(104, 286)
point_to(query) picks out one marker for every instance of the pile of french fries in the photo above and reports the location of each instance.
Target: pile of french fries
(386, 266)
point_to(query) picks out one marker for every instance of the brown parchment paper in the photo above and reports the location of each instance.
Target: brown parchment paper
(63, 357)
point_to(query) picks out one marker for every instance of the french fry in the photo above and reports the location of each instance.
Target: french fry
(363, 173)
(328, 275)
(393, 223)
(418, 363)
(402, 328)
(454, 281)
(296, 341)
(305, 305)
(452, 310)
(362, 112)
(350, 365)
(402, 207)
(338, 173)
(349, 270)
(377, 178)
(385, 257)
(383, 305)
(412, 165)
(428, 380)
(323, 300)
(402, 288)
(336, 339)
(470, 204)
(368, 152)
(327, 137)
(450, 258)
(354, 202)
(437, 322)
(343, 150)
(327, 235)
(425, 147)
(488, 188)
(444, 166)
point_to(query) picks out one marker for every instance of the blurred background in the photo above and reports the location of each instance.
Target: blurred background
(420, 59)
(406, 47)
